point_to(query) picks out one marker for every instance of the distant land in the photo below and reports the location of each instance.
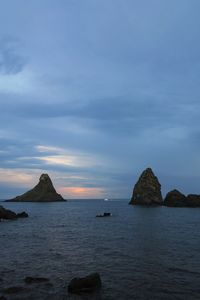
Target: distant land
(44, 191)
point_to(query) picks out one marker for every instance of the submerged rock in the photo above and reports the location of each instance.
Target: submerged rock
(44, 191)
(30, 279)
(147, 190)
(175, 198)
(14, 290)
(85, 284)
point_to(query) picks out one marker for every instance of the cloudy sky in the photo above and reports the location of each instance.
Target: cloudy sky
(94, 91)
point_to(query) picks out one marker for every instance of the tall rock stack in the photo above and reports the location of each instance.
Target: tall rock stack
(44, 191)
(147, 190)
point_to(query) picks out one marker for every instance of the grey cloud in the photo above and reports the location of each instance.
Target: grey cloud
(11, 61)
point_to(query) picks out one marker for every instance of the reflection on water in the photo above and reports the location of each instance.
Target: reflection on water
(141, 253)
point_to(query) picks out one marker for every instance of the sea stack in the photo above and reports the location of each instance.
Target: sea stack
(177, 199)
(147, 190)
(44, 191)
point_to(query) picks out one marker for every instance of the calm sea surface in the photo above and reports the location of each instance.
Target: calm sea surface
(140, 253)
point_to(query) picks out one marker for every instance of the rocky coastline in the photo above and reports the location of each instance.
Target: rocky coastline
(147, 191)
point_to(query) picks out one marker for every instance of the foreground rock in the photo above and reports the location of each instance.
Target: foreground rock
(15, 289)
(6, 214)
(176, 199)
(44, 191)
(147, 190)
(85, 284)
(31, 280)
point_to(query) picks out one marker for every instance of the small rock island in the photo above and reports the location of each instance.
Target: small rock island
(176, 199)
(147, 190)
(6, 214)
(44, 191)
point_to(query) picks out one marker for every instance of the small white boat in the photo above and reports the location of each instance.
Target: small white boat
(106, 199)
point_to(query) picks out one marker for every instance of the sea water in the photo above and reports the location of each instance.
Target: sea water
(140, 252)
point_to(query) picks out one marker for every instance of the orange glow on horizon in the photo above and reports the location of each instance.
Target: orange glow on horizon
(81, 192)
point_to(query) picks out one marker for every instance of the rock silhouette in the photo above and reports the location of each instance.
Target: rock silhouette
(6, 214)
(175, 198)
(85, 284)
(147, 190)
(44, 191)
(193, 200)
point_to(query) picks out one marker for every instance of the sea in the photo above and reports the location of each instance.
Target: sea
(140, 252)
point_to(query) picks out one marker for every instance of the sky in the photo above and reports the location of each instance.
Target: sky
(93, 92)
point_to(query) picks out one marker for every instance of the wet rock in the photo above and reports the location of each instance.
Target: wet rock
(3, 298)
(7, 214)
(31, 280)
(85, 284)
(22, 215)
(14, 289)
(44, 191)
(147, 190)
(175, 198)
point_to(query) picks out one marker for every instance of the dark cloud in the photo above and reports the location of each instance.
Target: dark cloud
(117, 81)
(11, 61)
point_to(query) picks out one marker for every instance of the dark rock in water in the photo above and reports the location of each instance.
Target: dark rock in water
(35, 279)
(193, 200)
(22, 215)
(3, 298)
(175, 198)
(7, 214)
(104, 215)
(44, 191)
(14, 289)
(85, 284)
(147, 190)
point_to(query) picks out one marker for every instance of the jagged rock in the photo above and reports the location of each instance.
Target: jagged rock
(175, 198)
(7, 214)
(147, 190)
(44, 191)
(85, 284)
(22, 215)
